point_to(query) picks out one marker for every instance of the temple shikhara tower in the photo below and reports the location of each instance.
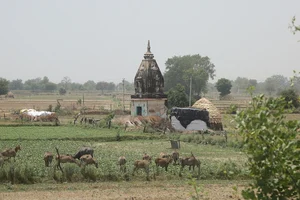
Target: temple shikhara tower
(149, 98)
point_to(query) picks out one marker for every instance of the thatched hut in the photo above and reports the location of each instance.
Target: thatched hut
(215, 118)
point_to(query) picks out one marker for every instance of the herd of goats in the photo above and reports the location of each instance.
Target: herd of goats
(85, 156)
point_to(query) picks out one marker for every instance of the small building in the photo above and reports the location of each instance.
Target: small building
(149, 98)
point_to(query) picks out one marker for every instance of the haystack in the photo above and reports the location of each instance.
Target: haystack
(215, 118)
(9, 95)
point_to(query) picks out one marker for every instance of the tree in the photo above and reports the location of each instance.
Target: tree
(66, 82)
(128, 86)
(223, 86)
(102, 85)
(33, 84)
(181, 69)
(240, 84)
(89, 85)
(3, 86)
(15, 85)
(272, 148)
(45, 80)
(177, 97)
(49, 86)
(275, 84)
(290, 95)
(76, 86)
(252, 83)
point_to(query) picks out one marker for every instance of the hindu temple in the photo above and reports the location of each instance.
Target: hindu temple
(149, 98)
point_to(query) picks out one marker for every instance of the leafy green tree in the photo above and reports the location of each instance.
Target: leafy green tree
(181, 69)
(102, 85)
(252, 82)
(49, 86)
(89, 85)
(76, 86)
(240, 84)
(272, 148)
(111, 86)
(275, 84)
(291, 95)
(223, 86)
(15, 85)
(3, 86)
(177, 97)
(128, 86)
(33, 84)
(45, 80)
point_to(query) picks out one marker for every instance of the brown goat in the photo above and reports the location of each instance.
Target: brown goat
(11, 152)
(163, 162)
(175, 157)
(88, 160)
(147, 157)
(48, 157)
(191, 161)
(121, 162)
(66, 159)
(141, 164)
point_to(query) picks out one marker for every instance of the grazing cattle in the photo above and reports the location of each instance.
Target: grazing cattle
(84, 151)
(141, 164)
(163, 162)
(121, 162)
(11, 152)
(48, 157)
(175, 157)
(191, 161)
(66, 159)
(88, 160)
(147, 157)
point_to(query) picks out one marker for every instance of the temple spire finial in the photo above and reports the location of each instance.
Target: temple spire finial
(148, 47)
(148, 54)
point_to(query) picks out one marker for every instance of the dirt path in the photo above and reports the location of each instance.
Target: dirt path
(123, 191)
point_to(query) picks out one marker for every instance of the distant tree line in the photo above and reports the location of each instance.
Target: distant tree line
(45, 85)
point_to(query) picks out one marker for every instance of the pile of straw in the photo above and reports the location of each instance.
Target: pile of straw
(214, 114)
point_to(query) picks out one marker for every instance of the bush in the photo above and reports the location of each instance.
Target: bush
(272, 148)
(62, 91)
(232, 109)
(290, 95)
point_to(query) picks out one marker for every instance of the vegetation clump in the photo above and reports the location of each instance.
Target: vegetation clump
(273, 149)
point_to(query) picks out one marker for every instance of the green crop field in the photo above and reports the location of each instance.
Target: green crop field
(216, 162)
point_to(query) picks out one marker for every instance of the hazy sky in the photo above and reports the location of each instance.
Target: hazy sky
(106, 40)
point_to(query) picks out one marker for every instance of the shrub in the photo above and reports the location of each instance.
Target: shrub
(290, 95)
(232, 109)
(272, 148)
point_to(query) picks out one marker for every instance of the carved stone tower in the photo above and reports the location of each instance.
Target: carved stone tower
(149, 97)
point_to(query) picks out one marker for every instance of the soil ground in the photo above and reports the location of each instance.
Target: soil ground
(122, 190)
